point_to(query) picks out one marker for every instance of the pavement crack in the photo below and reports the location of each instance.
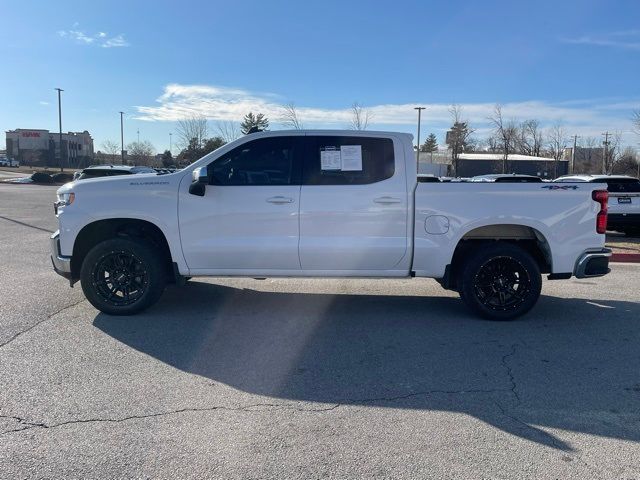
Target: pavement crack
(26, 224)
(512, 378)
(26, 425)
(38, 323)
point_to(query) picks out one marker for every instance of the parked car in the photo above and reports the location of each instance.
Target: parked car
(110, 171)
(624, 200)
(325, 204)
(8, 162)
(506, 178)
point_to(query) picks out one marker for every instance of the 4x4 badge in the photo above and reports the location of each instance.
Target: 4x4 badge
(561, 187)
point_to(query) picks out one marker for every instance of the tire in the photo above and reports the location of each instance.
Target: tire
(500, 282)
(123, 276)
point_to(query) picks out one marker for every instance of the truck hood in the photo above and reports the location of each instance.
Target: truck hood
(117, 182)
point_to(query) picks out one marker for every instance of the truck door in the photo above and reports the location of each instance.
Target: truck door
(353, 205)
(248, 218)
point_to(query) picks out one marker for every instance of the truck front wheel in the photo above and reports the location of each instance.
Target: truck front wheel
(500, 281)
(122, 276)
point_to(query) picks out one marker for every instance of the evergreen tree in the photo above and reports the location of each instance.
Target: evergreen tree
(430, 144)
(252, 121)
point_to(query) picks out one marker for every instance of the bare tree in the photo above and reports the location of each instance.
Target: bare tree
(613, 153)
(360, 117)
(110, 147)
(290, 118)
(228, 130)
(636, 121)
(506, 131)
(109, 151)
(628, 163)
(192, 127)
(557, 142)
(458, 136)
(141, 153)
(529, 139)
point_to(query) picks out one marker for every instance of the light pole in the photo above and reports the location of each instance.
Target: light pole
(60, 125)
(419, 109)
(573, 153)
(605, 153)
(121, 139)
(171, 143)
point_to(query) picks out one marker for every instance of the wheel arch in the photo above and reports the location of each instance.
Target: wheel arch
(99, 230)
(527, 237)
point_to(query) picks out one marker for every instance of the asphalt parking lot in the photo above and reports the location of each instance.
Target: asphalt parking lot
(236, 378)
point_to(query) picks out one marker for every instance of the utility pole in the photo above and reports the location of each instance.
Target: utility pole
(419, 109)
(573, 153)
(138, 135)
(121, 139)
(60, 125)
(171, 143)
(605, 152)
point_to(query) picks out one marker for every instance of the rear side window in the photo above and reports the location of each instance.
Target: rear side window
(623, 186)
(265, 161)
(345, 160)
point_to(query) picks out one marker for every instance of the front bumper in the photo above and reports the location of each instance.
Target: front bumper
(593, 263)
(61, 264)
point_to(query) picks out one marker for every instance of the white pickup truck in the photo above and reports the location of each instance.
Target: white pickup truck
(325, 204)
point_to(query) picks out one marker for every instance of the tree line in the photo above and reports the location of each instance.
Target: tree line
(508, 136)
(527, 137)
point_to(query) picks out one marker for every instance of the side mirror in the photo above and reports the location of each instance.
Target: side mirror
(200, 180)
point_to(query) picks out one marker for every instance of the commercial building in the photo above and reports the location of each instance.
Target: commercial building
(472, 164)
(37, 147)
(483, 163)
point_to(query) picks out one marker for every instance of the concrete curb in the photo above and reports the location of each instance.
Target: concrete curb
(626, 257)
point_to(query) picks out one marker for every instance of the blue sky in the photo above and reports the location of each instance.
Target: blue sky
(576, 63)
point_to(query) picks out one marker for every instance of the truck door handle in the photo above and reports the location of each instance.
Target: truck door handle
(387, 200)
(279, 200)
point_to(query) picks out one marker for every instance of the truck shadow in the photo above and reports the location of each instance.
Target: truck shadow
(571, 364)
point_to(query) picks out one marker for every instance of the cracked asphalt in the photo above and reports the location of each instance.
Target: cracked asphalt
(239, 378)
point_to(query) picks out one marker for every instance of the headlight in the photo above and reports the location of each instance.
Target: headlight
(65, 199)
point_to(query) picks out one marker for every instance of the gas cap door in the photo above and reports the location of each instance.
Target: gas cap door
(436, 224)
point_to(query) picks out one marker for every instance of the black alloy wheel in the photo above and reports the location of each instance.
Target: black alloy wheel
(500, 281)
(120, 278)
(502, 284)
(123, 276)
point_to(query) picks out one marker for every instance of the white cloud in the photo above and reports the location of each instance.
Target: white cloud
(219, 103)
(42, 102)
(101, 38)
(627, 39)
(117, 41)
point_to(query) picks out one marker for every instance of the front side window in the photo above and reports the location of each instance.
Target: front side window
(338, 160)
(265, 161)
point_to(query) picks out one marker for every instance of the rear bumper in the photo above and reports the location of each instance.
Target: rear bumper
(61, 264)
(621, 220)
(593, 263)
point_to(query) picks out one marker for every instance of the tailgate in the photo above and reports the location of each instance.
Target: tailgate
(624, 202)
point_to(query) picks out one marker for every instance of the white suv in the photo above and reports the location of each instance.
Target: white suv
(624, 200)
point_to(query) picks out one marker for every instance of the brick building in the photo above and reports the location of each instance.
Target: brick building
(36, 147)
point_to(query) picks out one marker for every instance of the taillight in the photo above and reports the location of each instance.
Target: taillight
(602, 197)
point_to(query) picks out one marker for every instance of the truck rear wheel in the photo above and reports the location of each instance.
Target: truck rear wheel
(500, 282)
(123, 276)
